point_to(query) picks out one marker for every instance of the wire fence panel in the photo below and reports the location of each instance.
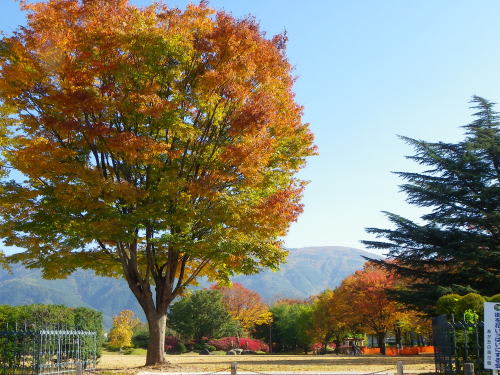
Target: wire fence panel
(456, 343)
(47, 352)
(443, 346)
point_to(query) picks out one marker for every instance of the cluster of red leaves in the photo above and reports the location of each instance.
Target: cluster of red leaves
(171, 343)
(228, 343)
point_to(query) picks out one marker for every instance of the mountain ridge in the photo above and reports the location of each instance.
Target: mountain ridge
(307, 272)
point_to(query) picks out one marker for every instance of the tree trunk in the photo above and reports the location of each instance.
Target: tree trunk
(381, 342)
(337, 346)
(156, 344)
(398, 333)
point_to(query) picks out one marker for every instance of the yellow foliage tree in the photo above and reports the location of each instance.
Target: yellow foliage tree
(329, 321)
(120, 335)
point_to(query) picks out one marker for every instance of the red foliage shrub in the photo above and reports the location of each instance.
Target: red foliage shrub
(171, 343)
(228, 343)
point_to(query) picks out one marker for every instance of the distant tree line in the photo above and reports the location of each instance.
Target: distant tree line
(209, 320)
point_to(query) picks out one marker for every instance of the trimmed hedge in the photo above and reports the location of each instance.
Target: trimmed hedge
(37, 317)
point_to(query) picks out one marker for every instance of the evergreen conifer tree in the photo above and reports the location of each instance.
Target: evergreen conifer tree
(456, 249)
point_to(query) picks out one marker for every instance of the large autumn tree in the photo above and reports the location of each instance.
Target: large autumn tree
(149, 143)
(367, 302)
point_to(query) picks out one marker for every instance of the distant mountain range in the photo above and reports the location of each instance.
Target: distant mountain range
(308, 271)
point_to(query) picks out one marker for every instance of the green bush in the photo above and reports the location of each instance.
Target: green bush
(447, 304)
(181, 348)
(90, 320)
(471, 302)
(134, 351)
(110, 348)
(204, 346)
(140, 339)
(495, 298)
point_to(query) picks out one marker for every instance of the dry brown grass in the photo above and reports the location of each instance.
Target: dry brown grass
(188, 363)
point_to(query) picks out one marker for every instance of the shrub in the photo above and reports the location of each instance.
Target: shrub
(199, 346)
(181, 348)
(228, 343)
(204, 346)
(495, 298)
(447, 304)
(108, 347)
(471, 301)
(140, 339)
(172, 343)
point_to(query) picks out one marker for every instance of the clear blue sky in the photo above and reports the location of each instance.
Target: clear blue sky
(369, 70)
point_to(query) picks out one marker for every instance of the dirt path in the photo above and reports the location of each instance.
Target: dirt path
(200, 363)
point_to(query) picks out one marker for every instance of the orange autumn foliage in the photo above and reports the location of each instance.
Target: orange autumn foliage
(362, 304)
(156, 144)
(245, 305)
(368, 303)
(368, 299)
(330, 317)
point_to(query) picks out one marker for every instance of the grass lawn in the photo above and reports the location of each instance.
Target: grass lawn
(128, 351)
(194, 362)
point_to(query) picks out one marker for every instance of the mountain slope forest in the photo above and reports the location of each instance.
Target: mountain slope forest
(308, 271)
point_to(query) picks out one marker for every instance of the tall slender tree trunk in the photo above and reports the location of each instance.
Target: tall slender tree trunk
(337, 346)
(156, 344)
(381, 342)
(399, 336)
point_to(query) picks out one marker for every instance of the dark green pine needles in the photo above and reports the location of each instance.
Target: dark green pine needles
(457, 247)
